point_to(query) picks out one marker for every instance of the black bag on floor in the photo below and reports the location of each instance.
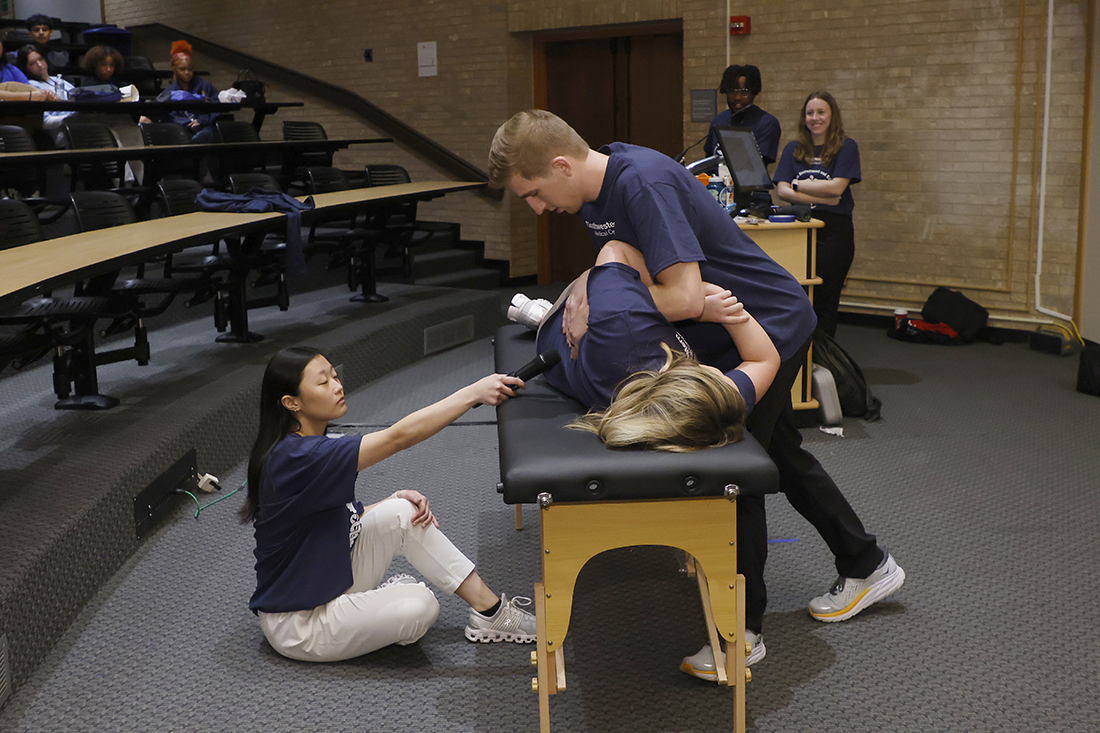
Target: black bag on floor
(852, 389)
(1088, 371)
(956, 310)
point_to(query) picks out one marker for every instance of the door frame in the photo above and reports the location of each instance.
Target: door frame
(539, 42)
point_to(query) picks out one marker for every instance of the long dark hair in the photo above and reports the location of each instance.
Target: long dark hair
(24, 55)
(834, 136)
(283, 376)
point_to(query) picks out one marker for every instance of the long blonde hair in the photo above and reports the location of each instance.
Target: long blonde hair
(834, 136)
(680, 407)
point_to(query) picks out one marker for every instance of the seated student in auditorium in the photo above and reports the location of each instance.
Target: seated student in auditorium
(41, 29)
(9, 72)
(318, 600)
(185, 85)
(741, 85)
(639, 196)
(34, 65)
(102, 65)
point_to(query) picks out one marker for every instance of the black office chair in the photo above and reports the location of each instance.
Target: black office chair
(29, 179)
(168, 133)
(239, 131)
(400, 229)
(295, 163)
(101, 176)
(352, 242)
(244, 182)
(104, 209)
(208, 259)
(139, 71)
(64, 325)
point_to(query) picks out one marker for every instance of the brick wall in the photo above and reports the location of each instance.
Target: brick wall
(944, 99)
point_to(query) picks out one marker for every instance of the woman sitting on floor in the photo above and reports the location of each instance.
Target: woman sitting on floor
(318, 600)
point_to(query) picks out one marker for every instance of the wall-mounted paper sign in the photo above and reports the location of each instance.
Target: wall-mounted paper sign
(426, 60)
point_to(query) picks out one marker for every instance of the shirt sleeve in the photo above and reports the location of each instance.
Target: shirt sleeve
(768, 141)
(786, 171)
(846, 164)
(745, 387)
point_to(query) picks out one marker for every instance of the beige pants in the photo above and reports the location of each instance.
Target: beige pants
(365, 617)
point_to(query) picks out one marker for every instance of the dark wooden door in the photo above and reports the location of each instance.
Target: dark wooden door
(610, 89)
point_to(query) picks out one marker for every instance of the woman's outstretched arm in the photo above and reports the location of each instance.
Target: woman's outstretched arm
(427, 421)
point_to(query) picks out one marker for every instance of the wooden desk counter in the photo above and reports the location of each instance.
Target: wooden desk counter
(169, 152)
(419, 190)
(33, 268)
(28, 270)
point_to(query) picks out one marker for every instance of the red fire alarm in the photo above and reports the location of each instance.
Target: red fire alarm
(740, 25)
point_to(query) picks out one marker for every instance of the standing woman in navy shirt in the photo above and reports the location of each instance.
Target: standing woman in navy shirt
(819, 169)
(321, 555)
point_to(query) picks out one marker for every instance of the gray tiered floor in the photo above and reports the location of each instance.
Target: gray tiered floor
(982, 478)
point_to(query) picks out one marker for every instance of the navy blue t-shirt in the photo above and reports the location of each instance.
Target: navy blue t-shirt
(653, 204)
(625, 333)
(845, 164)
(765, 129)
(306, 520)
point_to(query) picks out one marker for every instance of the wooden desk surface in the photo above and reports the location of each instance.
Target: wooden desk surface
(18, 107)
(33, 268)
(146, 152)
(765, 226)
(420, 190)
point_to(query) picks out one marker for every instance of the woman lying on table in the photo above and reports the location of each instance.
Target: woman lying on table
(321, 554)
(617, 357)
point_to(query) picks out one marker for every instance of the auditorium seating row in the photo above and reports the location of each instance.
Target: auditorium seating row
(237, 272)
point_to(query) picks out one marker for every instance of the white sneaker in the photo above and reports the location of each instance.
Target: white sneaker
(849, 596)
(510, 623)
(528, 312)
(701, 664)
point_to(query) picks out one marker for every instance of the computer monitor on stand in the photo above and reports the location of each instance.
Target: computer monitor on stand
(750, 175)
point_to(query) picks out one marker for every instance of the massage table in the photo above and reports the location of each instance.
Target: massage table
(592, 499)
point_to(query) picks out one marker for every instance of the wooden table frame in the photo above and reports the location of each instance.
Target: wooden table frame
(573, 533)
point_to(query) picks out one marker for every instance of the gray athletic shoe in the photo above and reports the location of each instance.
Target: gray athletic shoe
(510, 623)
(701, 664)
(849, 596)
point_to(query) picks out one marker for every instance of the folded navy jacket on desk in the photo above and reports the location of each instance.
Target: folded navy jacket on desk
(259, 201)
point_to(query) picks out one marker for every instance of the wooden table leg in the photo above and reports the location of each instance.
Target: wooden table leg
(542, 682)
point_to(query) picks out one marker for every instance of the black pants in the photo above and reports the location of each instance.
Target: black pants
(807, 487)
(836, 248)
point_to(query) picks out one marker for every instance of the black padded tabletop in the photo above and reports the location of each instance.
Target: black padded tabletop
(538, 454)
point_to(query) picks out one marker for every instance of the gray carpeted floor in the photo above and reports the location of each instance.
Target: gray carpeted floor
(982, 478)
